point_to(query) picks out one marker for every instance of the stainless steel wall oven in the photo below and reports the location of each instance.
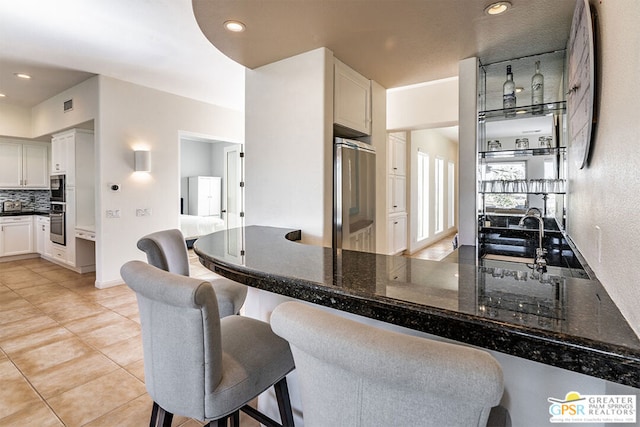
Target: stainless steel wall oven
(57, 217)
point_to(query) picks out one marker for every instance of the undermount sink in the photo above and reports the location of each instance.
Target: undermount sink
(521, 260)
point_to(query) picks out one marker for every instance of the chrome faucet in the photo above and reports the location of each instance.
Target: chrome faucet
(541, 262)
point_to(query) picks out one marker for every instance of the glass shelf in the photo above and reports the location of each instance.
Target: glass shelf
(521, 153)
(521, 192)
(521, 186)
(549, 108)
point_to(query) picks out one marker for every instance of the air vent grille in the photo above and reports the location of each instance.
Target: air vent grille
(67, 105)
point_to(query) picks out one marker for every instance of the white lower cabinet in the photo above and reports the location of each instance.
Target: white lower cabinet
(16, 235)
(59, 253)
(362, 240)
(397, 268)
(397, 233)
(398, 198)
(43, 241)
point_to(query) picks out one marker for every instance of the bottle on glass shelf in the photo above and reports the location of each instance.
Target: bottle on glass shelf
(537, 90)
(509, 95)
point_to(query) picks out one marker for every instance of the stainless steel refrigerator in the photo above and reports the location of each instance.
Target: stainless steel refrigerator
(354, 195)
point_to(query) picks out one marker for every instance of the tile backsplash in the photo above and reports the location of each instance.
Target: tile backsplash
(36, 200)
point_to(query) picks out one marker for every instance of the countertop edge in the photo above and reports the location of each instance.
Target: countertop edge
(594, 358)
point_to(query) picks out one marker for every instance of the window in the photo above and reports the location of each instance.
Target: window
(423, 195)
(550, 173)
(451, 195)
(500, 199)
(439, 196)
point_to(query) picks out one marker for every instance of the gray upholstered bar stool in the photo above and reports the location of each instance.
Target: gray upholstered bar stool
(198, 365)
(354, 374)
(167, 250)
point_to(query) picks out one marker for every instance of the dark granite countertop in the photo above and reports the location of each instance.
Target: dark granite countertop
(21, 213)
(562, 321)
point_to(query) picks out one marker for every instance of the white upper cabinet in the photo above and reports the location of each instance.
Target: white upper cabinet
(61, 144)
(24, 165)
(35, 172)
(352, 99)
(397, 155)
(72, 154)
(10, 165)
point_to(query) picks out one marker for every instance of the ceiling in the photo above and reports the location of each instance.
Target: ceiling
(153, 43)
(394, 42)
(160, 43)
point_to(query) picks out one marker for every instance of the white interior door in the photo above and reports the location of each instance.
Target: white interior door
(233, 195)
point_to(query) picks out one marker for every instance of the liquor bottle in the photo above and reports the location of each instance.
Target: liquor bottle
(509, 94)
(537, 90)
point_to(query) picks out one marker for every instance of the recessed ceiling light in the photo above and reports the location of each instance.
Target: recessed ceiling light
(497, 8)
(234, 26)
(23, 76)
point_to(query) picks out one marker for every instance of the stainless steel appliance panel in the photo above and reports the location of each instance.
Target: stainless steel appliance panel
(354, 195)
(57, 226)
(57, 188)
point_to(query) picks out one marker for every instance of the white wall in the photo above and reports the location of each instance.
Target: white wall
(379, 141)
(16, 121)
(429, 141)
(49, 117)
(606, 193)
(289, 107)
(426, 105)
(468, 122)
(133, 116)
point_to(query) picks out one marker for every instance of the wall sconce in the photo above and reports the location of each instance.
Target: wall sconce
(142, 161)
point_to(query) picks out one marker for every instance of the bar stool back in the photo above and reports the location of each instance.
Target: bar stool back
(198, 365)
(353, 374)
(167, 250)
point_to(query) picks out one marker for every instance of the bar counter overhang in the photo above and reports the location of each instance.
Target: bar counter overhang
(566, 322)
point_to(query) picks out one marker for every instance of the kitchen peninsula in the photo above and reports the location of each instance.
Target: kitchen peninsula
(558, 320)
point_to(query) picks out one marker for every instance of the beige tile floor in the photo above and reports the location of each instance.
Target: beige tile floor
(437, 250)
(71, 354)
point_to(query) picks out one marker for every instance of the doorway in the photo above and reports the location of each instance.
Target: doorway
(432, 186)
(211, 173)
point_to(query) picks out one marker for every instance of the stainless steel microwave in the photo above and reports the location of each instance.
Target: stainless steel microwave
(57, 188)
